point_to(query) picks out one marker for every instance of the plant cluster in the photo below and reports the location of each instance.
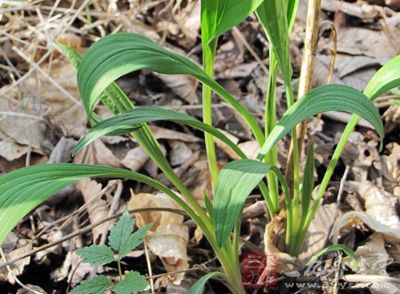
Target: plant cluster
(116, 55)
(122, 240)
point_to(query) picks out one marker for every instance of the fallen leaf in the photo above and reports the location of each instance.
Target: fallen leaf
(183, 86)
(135, 159)
(273, 232)
(372, 259)
(188, 20)
(319, 230)
(179, 153)
(390, 169)
(162, 133)
(72, 268)
(379, 204)
(18, 267)
(168, 237)
(97, 208)
(63, 107)
(97, 153)
(392, 118)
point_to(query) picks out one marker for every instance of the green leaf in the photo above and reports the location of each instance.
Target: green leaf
(273, 18)
(120, 234)
(73, 56)
(292, 6)
(308, 180)
(122, 53)
(137, 237)
(122, 238)
(198, 287)
(133, 119)
(219, 16)
(24, 189)
(96, 254)
(132, 284)
(113, 97)
(321, 99)
(385, 79)
(96, 285)
(332, 248)
(236, 181)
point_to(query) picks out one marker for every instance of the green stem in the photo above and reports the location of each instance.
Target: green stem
(270, 122)
(296, 171)
(119, 269)
(327, 177)
(208, 63)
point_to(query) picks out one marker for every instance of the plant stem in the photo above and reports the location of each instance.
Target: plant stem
(208, 64)
(270, 122)
(119, 269)
(295, 168)
(307, 64)
(329, 172)
(305, 84)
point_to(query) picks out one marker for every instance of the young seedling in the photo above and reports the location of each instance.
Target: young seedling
(122, 240)
(114, 56)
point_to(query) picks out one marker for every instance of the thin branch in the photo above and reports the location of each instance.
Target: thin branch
(85, 230)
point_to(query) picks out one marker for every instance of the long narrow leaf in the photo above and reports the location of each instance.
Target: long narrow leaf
(24, 189)
(332, 248)
(273, 18)
(292, 6)
(308, 181)
(122, 53)
(385, 79)
(236, 181)
(218, 16)
(134, 119)
(321, 99)
(198, 287)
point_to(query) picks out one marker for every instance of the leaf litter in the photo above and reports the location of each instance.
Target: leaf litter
(50, 95)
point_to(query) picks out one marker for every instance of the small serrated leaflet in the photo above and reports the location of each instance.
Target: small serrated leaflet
(132, 283)
(96, 254)
(96, 285)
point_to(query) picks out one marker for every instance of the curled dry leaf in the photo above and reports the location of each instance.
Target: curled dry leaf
(380, 215)
(274, 231)
(168, 237)
(372, 259)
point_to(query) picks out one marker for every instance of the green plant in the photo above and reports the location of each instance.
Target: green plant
(122, 240)
(122, 53)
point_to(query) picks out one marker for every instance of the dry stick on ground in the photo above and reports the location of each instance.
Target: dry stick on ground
(84, 231)
(15, 277)
(237, 33)
(307, 69)
(371, 279)
(63, 29)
